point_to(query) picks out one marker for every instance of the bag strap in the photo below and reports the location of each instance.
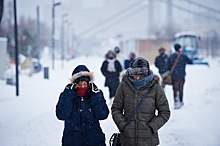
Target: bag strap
(174, 65)
(135, 110)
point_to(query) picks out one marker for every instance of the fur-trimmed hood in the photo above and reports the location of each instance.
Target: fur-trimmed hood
(80, 71)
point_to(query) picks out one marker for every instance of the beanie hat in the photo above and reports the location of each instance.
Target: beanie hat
(177, 47)
(139, 66)
(82, 73)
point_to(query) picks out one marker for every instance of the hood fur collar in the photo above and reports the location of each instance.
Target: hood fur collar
(80, 74)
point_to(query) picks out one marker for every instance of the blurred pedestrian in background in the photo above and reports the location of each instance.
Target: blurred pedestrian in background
(178, 75)
(119, 55)
(161, 64)
(111, 69)
(127, 62)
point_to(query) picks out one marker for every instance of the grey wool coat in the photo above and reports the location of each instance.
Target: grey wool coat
(143, 128)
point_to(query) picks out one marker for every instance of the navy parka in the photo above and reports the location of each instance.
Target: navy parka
(81, 116)
(180, 69)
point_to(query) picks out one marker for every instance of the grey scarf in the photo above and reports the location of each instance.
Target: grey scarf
(141, 82)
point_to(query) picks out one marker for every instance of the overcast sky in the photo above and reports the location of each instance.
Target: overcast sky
(83, 14)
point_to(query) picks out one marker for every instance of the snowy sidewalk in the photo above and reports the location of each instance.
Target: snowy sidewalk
(29, 120)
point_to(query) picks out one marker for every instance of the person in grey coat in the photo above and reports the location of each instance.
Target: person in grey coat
(143, 127)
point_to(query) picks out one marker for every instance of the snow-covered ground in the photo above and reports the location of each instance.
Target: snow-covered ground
(29, 119)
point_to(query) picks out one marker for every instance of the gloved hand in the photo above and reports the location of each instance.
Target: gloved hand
(68, 86)
(68, 93)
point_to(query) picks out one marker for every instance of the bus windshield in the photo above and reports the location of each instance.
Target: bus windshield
(187, 40)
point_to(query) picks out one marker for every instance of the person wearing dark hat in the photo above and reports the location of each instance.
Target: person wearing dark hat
(143, 128)
(119, 55)
(178, 75)
(81, 106)
(117, 50)
(161, 64)
(111, 69)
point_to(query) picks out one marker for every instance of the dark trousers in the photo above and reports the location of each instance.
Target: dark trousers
(112, 91)
(178, 87)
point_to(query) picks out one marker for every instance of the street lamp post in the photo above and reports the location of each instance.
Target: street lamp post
(63, 39)
(16, 49)
(38, 33)
(53, 31)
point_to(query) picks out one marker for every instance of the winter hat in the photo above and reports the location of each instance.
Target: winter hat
(177, 47)
(81, 73)
(110, 55)
(139, 66)
(117, 50)
(80, 68)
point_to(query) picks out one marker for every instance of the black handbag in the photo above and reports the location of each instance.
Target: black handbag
(114, 140)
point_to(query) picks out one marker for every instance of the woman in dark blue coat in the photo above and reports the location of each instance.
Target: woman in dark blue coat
(81, 105)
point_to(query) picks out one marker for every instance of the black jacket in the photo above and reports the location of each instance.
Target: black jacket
(161, 63)
(111, 78)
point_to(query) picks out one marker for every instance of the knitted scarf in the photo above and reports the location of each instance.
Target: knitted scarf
(141, 82)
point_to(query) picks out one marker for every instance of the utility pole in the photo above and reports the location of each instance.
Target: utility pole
(16, 49)
(38, 33)
(53, 31)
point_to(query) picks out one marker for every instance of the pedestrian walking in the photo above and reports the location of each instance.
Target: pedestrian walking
(178, 75)
(138, 98)
(127, 62)
(161, 64)
(111, 69)
(119, 55)
(81, 106)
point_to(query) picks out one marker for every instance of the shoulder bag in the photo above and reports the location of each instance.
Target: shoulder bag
(167, 77)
